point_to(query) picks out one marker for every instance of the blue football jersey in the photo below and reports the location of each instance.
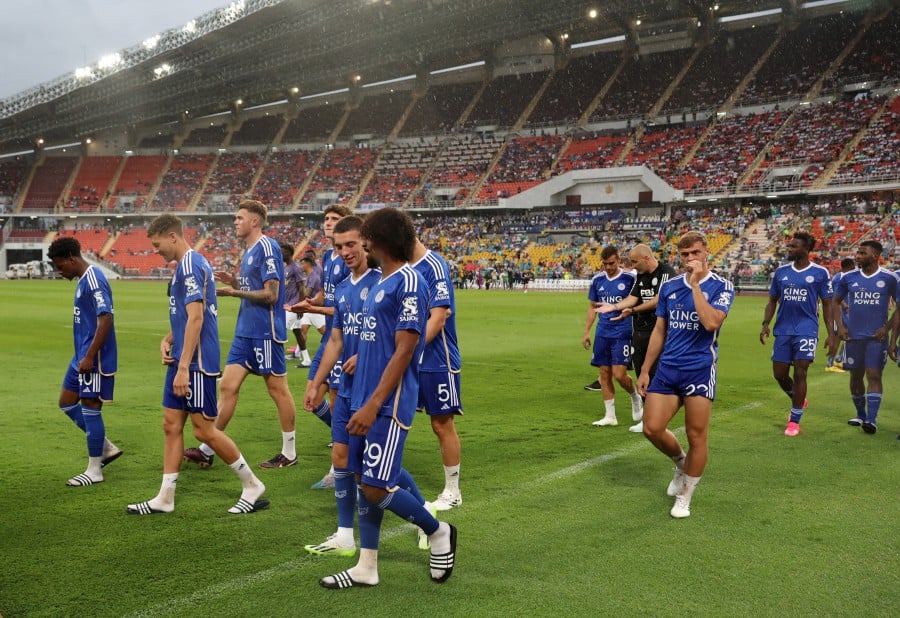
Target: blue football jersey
(868, 299)
(350, 296)
(397, 302)
(442, 353)
(798, 293)
(193, 282)
(93, 298)
(688, 345)
(834, 286)
(260, 263)
(606, 290)
(334, 270)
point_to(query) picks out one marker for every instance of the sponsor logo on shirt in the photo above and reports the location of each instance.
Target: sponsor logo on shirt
(410, 309)
(270, 266)
(190, 284)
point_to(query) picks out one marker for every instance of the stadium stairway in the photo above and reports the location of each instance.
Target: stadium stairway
(151, 195)
(826, 176)
(104, 203)
(301, 193)
(192, 205)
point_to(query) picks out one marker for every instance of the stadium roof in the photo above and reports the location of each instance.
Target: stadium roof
(268, 50)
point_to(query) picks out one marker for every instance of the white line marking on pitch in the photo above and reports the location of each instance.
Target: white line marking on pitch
(180, 604)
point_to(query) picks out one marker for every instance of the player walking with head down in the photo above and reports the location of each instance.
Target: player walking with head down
(383, 400)
(797, 288)
(867, 291)
(191, 352)
(90, 379)
(259, 335)
(689, 313)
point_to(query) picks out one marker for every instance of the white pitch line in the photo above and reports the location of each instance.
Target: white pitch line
(180, 604)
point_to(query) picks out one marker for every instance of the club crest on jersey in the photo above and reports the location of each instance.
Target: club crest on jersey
(336, 269)
(879, 284)
(810, 279)
(270, 266)
(190, 285)
(410, 309)
(364, 293)
(249, 259)
(78, 293)
(621, 286)
(380, 296)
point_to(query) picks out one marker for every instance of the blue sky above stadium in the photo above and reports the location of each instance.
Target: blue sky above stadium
(43, 39)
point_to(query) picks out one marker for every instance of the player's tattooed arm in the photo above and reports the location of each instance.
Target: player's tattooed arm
(266, 296)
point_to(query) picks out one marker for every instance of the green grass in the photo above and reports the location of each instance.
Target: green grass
(560, 518)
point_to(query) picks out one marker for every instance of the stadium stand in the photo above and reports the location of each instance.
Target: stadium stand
(135, 183)
(232, 176)
(211, 136)
(181, 182)
(504, 100)
(11, 175)
(439, 110)
(48, 183)
(573, 88)
(282, 177)
(661, 149)
(877, 155)
(341, 172)
(376, 115)
(91, 183)
(800, 59)
(525, 163)
(641, 84)
(257, 131)
(314, 124)
(399, 170)
(592, 150)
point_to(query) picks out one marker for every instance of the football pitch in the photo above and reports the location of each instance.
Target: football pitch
(559, 518)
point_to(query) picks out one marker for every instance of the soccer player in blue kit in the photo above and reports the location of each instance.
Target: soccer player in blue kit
(439, 370)
(867, 291)
(689, 314)
(342, 345)
(259, 334)
(90, 379)
(796, 290)
(191, 353)
(333, 272)
(383, 400)
(835, 360)
(612, 338)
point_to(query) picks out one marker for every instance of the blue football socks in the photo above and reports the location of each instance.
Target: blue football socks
(345, 496)
(95, 430)
(74, 413)
(404, 505)
(874, 402)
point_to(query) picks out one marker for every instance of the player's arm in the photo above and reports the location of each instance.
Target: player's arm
(838, 317)
(626, 303)
(589, 322)
(895, 332)
(654, 349)
(768, 314)
(436, 320)
(334, 347)
(194, 310)
(710, 317)
(405, 342)
(104, 327)
(268, 295)
(828, 306)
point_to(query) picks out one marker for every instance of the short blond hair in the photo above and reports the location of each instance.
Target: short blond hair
(257, 208)
(691, 238)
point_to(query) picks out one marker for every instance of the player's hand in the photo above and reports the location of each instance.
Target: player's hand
(181, 383)
(300, 308)
(697, 270)
(604, 308)
(892, 351)
(764, 334)
(627, 311)
(586, 342)
(225, 277)
(362, 420)
(165, 351)
(642, 383)
(881, 333)
(85, 365)
(311, 398)
(349, 366)
(224, 291)
(843, 333)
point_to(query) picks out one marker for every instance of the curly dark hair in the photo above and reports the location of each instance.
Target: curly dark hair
(392, 230)
(65, 247)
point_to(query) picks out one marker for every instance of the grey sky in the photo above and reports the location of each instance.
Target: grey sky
(43, 39)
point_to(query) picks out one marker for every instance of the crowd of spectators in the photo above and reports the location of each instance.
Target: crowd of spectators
(878, 154)
(283, 176)
(341, 172)
(182, 182)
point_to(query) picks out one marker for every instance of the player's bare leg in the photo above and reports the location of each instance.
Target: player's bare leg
(620, 373)
(451, 451)
(659, 410)
(697, 411)
(229, 391)
(207, 432)
(287, 415)
(609, 398)
(173, 449)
